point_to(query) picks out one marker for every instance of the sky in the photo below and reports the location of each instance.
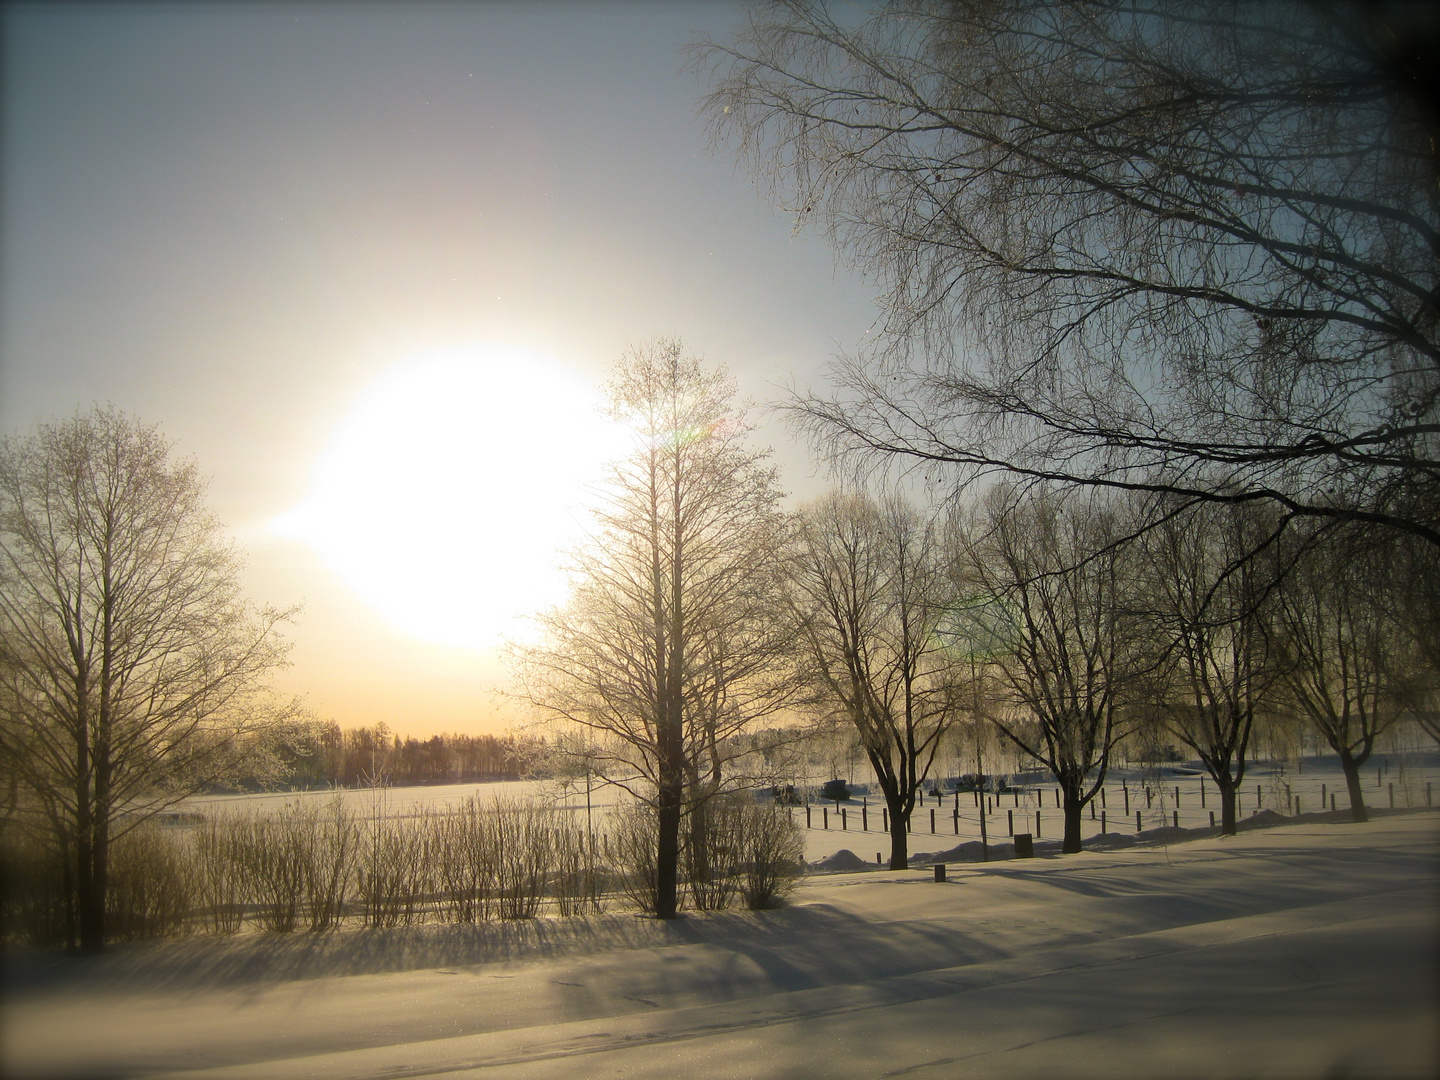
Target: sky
(368, 264)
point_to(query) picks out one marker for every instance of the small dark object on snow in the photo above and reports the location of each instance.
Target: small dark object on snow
(939, 871)
(1024, 845)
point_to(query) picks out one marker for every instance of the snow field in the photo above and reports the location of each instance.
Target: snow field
(1301, 950)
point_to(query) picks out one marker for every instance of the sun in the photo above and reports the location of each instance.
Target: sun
(451, 490)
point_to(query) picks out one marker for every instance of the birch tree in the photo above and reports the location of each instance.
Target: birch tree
(131, 667)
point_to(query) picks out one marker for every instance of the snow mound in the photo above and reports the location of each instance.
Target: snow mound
(844, 859)
(1110, 840)
(972, 851)
(1263, 819)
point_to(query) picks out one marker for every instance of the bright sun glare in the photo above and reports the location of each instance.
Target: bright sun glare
(449, 493)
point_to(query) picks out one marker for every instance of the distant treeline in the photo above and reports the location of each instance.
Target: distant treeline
(322, 754)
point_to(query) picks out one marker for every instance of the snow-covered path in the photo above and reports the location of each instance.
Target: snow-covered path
(1298, 951)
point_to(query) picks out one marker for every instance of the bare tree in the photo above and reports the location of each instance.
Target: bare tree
(1206, 607)
(869, 594)
(1188, 248)
(669, 646)
(1042, 600)
(131, 668)
(1342, 649)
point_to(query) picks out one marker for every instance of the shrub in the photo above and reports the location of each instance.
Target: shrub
(635, 837)
(149, 893)
(772, 850)
(34, 889)
(218, 876)
(711, 850)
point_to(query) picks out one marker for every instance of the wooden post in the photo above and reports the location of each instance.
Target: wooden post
(807, 815)
(1037, 821)
(864, 818)
(1392, 796)
(1102, 798)
(1103, 825)
(1010, 822)
(1175, 818)
(1127, 800)
(844, 827)
(932, 822)
(957, 819)
(1212, 819)
(1202, 793)
(825, 817)
(884, 819)
(1137, 820)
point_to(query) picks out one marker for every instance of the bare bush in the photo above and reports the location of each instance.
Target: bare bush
(394, 872)
(634, 832)
(332, 842)
(217, 873)
(33, 890)
(772, 850)
(463, 863)
(150, 891)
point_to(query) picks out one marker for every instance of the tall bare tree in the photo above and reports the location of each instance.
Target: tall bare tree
(1207, 605)
(1043, 600)
(669, 646)
(1179, 247)
(1344, 661)
(130, 665)
(869, 592)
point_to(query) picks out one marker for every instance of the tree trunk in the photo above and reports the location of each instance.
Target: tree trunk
(667, 855)
(1351, 768)
(1073, 806)
(899, 837)
(1227, 804)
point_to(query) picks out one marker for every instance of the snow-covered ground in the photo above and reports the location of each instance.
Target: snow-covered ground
(1299, 951)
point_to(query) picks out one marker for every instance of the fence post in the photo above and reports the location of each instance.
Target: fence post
(844, 826)
(1392, 796)
(1212, 819)
(1010, 822)
(825, 817)
(1202, 793)
(864, 818)
(885, 818)
(1103, 829)
(957, 820)
(932, 822)
(1037, 821)
(1127, 800)
(1175, 818)
(1137, 820)
(807, 815)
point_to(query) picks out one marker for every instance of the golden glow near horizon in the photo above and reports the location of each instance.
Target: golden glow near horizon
(449, 493)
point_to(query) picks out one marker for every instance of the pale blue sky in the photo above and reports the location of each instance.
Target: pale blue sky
(232, 219)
